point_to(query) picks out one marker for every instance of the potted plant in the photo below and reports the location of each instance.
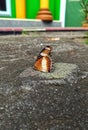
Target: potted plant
(84, 5)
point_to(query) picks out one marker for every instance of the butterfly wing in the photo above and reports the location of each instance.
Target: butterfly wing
(48, 64)
(37, 64)
(43, 64)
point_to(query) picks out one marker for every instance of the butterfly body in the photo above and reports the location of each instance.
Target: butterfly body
(44, 62)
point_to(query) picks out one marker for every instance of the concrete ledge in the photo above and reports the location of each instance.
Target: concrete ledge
(26, 23)
(71, 31)
(17, 26)
(67, 29)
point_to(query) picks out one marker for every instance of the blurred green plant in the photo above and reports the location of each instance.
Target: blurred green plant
(24, 32)
(86, 41)
(84, 5)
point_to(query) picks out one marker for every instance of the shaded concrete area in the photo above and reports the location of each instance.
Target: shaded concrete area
(34, 103)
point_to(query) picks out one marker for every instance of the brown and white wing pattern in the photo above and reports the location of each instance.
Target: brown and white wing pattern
(44, 62)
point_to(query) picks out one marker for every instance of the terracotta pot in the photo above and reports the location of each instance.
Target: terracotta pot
(85, 24)
(45, 14)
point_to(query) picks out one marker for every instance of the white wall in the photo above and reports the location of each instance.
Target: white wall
(62, 12)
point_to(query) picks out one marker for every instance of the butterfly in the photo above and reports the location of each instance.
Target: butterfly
(43, 62)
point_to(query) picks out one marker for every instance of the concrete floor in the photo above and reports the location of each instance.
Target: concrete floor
(34, 103)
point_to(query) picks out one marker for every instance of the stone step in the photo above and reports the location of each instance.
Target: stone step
(26, 23)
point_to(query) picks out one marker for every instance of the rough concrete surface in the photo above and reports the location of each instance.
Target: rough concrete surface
(37, 102)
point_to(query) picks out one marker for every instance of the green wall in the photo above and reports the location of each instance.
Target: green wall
(13, 8)
(74, 16)
(54, 6)
(32, 7)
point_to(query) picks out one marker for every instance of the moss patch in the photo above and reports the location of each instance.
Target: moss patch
(61, 71)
